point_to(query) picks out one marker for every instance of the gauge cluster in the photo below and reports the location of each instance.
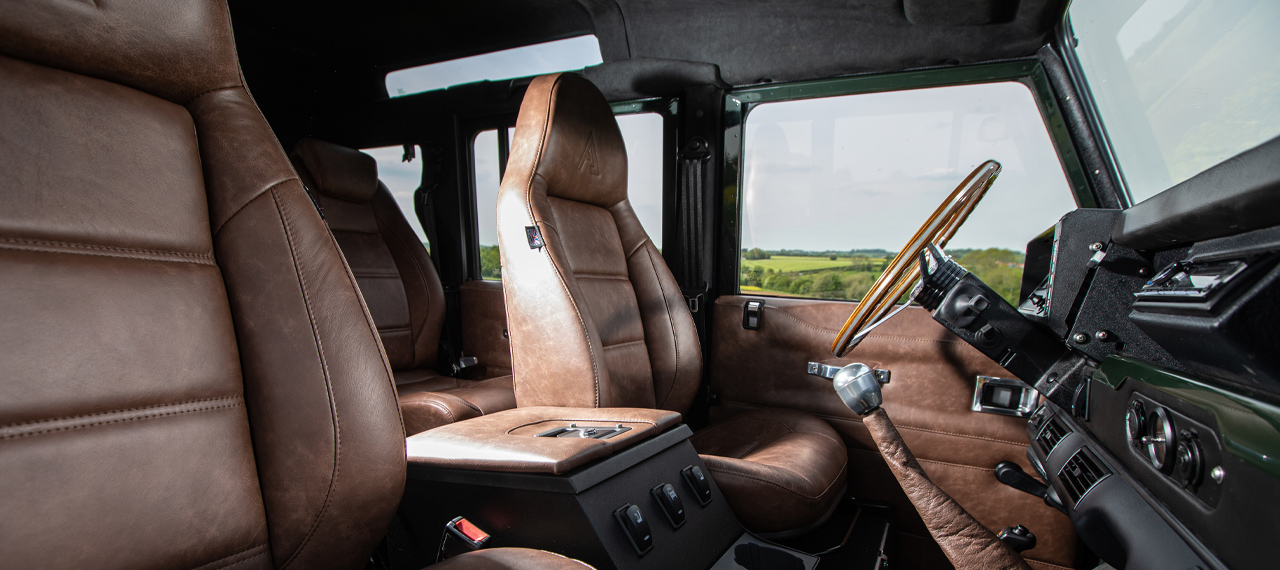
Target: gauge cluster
(1176, 447)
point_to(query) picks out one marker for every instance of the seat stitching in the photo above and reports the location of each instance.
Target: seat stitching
(621, 344)
(324, 365)
(601, 276)
(375, 274)
(372, 326)
(416, 267)
(671, 322)
(228, 564)
(193, 99)
(111, 250)
(528, 204)
(251, 200)
(564, 284)
(638, 246)
(5, 436)
(440, 406)
(134, 409)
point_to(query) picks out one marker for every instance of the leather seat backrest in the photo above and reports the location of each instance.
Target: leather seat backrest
(396, 276)
(595, 317)
(188, 377)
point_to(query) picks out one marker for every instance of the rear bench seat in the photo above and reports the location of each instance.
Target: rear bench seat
(399, 285)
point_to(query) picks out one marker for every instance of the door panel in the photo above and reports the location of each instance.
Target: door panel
(484, 327)
(928, 398)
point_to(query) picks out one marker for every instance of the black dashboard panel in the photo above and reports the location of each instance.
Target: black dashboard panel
(1160, 430)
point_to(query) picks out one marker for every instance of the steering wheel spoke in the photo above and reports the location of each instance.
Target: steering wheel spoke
(904, 271)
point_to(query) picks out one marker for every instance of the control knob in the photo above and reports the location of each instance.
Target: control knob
(1135, 421)
(1190, 465)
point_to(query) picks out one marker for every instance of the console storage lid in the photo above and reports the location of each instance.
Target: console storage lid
(537, 439)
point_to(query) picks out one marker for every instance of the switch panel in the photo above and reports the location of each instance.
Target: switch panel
(699, 483)
(670, 503)
(636, 527)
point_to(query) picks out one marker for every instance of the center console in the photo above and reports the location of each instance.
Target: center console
(614, 487)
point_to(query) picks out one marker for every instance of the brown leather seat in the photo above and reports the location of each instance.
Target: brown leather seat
(399, 284)
(597, 320)
(188, 375)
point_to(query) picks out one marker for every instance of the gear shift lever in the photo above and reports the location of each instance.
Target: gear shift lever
(963, 539)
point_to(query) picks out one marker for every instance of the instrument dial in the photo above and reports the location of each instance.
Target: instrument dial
(1160, 439)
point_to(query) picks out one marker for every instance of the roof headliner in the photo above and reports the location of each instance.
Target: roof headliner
(347, 48)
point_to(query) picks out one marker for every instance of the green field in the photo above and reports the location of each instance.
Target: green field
(788, 264)
(851, 277)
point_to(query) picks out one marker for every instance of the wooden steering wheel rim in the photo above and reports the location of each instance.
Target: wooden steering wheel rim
(904, 270)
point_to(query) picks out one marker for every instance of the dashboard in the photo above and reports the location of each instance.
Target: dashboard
(1152, 336)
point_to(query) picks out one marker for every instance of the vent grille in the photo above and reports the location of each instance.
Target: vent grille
(1081, 473)
(1052, 433)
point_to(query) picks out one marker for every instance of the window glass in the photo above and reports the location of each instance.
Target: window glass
(1181, 84)
(642, 135)
(402, 179)
(550, 57)
(833, 187)
(488, 177)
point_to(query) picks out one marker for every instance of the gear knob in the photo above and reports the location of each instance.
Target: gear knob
(858, 386)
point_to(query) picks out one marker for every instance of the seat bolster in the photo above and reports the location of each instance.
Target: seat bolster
(780, 470)
(510, 559)
(427, 410)
(422, 380)
(489, 396)
(424, 410)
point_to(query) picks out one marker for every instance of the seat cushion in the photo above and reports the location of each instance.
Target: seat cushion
(780, 470)
(438, 400)
(510, 559)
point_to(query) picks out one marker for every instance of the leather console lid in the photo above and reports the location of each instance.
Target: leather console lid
(507, 441)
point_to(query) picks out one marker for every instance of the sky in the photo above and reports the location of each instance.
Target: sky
(865, 171)
(842, 173)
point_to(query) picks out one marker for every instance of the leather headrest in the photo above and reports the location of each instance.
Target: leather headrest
(583, 157)
(338, 171)
(177, 50)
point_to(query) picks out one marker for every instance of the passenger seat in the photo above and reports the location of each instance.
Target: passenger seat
(399, 284)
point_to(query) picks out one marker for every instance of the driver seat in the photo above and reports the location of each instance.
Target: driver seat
(596, 318)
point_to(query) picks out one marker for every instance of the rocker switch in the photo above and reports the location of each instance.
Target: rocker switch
(670, 503)
(698, 482)
(636, 527)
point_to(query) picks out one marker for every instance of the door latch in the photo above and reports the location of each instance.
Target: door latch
(1004, 396)
(752, 314)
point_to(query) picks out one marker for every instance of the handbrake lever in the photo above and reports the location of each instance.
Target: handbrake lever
(1011, 474)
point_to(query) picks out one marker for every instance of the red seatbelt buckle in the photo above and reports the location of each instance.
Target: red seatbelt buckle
(468, 533)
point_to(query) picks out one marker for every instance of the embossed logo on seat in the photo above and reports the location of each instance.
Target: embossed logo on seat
(588, 159)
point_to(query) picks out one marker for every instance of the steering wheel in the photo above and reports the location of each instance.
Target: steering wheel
(904, 270)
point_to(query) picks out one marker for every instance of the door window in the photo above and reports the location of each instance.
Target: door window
(402, 179)
(832, 187)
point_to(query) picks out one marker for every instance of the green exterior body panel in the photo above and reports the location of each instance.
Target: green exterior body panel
(1250, 428)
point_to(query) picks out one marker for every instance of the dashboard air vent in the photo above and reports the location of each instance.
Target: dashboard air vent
(1081, 473)
(1050, 435)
